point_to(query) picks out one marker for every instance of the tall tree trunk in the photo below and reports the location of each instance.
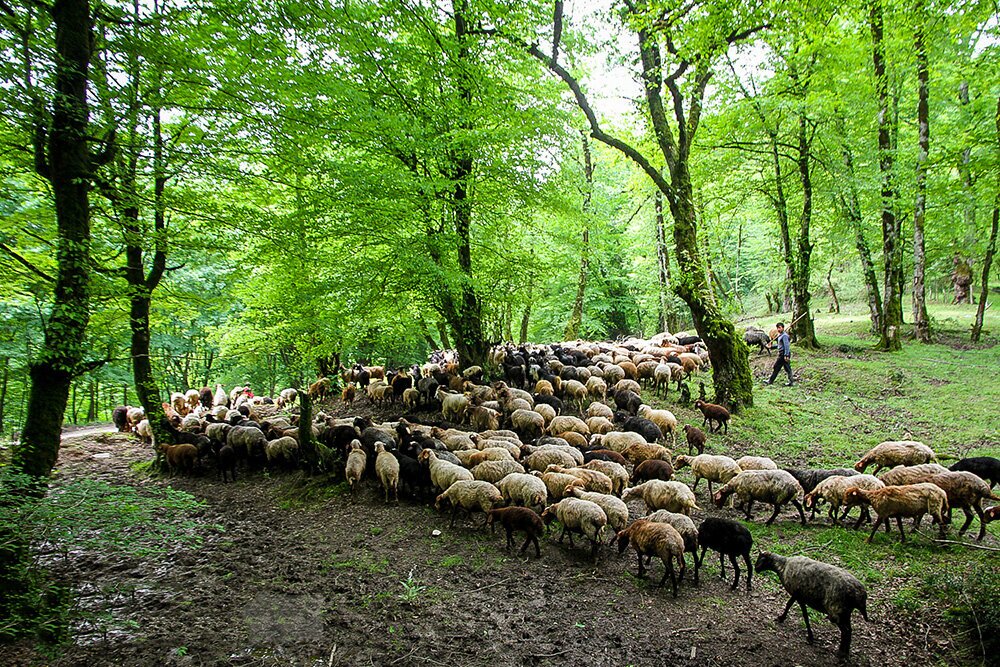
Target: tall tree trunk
(804, 329)
(67, 165)
(3, 391)
(991, 248)
(835, 305)
(572, 331)
(668, 313)
(780, 203)
(921, 320)
(892, 310)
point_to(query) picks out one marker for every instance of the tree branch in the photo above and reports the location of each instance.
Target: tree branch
(557, 28)
(24, 262)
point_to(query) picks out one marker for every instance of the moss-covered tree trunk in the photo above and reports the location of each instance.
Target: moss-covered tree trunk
(66, 162)
(803, 330)
(668, 319)
(892, 251)
(921, 321)
(991, 248)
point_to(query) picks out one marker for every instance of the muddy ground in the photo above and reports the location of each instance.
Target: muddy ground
(342, 581)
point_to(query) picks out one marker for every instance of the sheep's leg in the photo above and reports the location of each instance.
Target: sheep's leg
(845, 636)
(805, 615)
(726, 424)
(982, 522)
(510, 538)
(798, 506)
(695, 487)
(750, 510)
(746, 561)
(899, 524)
(563, 534)
(642, 568)
(784, 614)
(709, 486)
(774, 515)
(968, 520)
(697, 559)
(875, 528)
(570, 533)
(722, 566)
(697, 566)
(736, 581)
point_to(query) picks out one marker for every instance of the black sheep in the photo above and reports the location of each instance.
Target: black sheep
(225, 458)
(120, 417)
(987, 467)
(549, 400)
(644, 427)
(730, 538)
(628, 401)
(206, 396)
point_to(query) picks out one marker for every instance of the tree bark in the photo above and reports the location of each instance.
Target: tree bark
(572, 331)
(921, 320)
(3, 391)
(67, 165)
(668, 313)
(835, 306)
(803, 330)
(991, 248)
(892, 310)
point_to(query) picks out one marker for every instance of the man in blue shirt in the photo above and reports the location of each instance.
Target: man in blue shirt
(784, 346)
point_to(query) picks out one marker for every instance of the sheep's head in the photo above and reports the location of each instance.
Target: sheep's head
(809, 501)
(549, 514)
(699, 404)
(861, 465)
(622, 538)
(765, 561)
(720, 496)
(574, 488)
(991, 514)
(681, 461)
(441, 502)
(379, 447)
(854, 496)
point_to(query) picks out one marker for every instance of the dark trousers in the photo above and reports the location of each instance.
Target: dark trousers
(779, 363)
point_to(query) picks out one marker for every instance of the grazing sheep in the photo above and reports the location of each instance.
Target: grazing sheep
(644, 427)
(967, 491)
(604, 455)
(618, 441)
(387, 470)
(120, 418)
(556, 483)
(664, 419)
(902, 475)
(217, 432)
(832, 490)
(524, 490)
(894, 453)
(600, 425)
(809, 478)
(145, 432)
(484, 419)
(826, 588)
(518, 518)
(455, 440)
(636, 454)
(912, 500)
(987, 467)
(453, 406)
(288, 397)
(249, 441)
(696, 438)
(225, 459)
(652, 469)
(600, 410)
(568, 424)
(578, 516)
(729, 538)
(716, 416)
(469, 495)
(629, 401)
(443, 473)
(543, 457)
(775, 487)
(616, 472)
(650, 538)
(756, 463)
(688, 531)
(348, 393)
(597, 388)
(527, 423)
(714, 468)
(183, 457)
(614, 508)
(574, 439)
(283, 450)
(354, 470)
(494, 471)
(660, 495)
(546, 411)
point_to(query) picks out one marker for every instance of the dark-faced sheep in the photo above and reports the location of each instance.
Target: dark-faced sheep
(518, 518)
(987, 467)
(826, 588)
(729, 538)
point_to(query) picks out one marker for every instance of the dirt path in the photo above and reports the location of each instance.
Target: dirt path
(341, 582)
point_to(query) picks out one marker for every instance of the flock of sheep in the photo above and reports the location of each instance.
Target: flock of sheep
(526, 462)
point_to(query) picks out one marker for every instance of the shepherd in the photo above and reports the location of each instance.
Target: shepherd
(784, 346)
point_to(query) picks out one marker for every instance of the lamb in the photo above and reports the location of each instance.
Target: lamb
(284, 450)
(387, 470)
(616, 472)
(615, 509)
(524, 490)
(756, 463)
(518, 518)
(225, 459)
(966, 490)
(443, 473)
(913, 500)
(716, 416)
(180, 457)
(832, 489)
(650, 538)
(826, 588)
(494, 471)
(729, 538)
(896, 452)
(664, 419)
(578, 516)
(469, 495)
(776, 487)
(709, 466)
(696, 438)
(528, 424)
(652, 469)
(901, 475)
(987, 467)
(660, 495)
(688, 532)
(591, 480)
(355, 467)
(555, 483)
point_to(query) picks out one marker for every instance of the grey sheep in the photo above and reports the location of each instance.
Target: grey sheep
(776, 487)
(825, 588)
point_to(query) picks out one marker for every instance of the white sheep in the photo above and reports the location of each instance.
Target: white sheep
(756, 463)
(443, 473)
(708, 466)
(523, 490)
(660, 495)
(896, 452)
(664, 419)
(578, 516)
(616, 472)
(494, 471)
(776, 487)
(614, 508)
(387, 470)
(469, 495)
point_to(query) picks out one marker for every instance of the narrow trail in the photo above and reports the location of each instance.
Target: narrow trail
(88, 431)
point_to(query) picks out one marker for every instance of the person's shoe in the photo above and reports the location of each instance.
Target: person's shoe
(789, 384)
(768, 383)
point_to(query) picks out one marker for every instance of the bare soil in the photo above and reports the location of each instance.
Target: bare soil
(344, 581)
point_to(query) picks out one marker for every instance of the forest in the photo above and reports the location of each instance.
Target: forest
(223, 193)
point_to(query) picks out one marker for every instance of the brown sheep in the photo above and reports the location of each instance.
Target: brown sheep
(180, 456)
(716, 416)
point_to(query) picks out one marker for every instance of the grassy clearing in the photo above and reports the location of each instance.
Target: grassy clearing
(850, 398)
